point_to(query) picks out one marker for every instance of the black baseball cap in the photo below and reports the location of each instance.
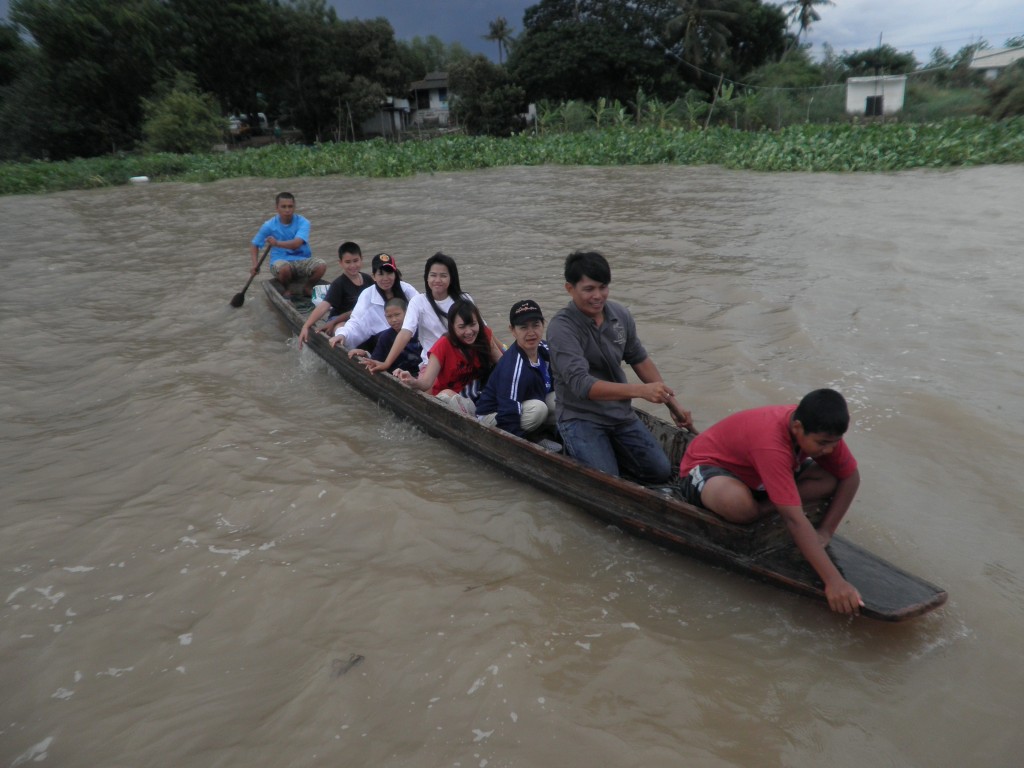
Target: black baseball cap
(524, 311)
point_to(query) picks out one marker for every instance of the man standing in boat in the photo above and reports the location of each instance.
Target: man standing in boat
(287, 234)
(589, 340)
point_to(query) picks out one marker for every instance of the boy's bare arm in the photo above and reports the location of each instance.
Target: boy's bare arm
(318, 311)
(842, 498)
(842, 596)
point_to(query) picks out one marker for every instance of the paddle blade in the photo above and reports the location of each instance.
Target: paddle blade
(237, 300)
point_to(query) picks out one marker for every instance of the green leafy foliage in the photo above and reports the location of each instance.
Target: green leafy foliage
(882, 60)
(423, 55)
(1006, 93)
(486, 100)
(586, 61)
(836, 148)
(182, 120)
(99, 59)
(84, 77)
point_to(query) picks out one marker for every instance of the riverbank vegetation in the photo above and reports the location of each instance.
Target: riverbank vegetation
(82, 78)
(94, 93)
(838, 148)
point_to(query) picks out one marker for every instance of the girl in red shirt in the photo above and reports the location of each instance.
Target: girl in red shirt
(460, 361)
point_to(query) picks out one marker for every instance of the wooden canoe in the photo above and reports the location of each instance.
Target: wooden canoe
(764, 550)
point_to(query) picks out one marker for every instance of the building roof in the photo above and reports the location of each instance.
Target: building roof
(877, 79)
(995, 58)
(431, 81)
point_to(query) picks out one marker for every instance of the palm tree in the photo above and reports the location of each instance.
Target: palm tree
(804, 12)
(704, 31)
(501, 33)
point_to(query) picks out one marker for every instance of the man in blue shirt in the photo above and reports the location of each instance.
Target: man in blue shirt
(291, 259)
(589, 340)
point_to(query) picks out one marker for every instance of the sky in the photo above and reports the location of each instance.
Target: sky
(850, 25)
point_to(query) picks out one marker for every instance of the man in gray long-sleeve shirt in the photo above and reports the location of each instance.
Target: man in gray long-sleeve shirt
(589, 339)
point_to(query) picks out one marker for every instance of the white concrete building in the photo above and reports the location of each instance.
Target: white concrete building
(992, 61)
(875, 96)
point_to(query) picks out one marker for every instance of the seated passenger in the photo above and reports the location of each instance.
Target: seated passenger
(287, 234)
(427, 316)
(774, 460)
(589, 340)
(367, 318)
(342, 294)
(409, 359)
(459, 362)
(519, 396)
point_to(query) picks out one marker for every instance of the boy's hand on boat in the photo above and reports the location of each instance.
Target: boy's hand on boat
(843, 597)
(358, 353)
(374, 366)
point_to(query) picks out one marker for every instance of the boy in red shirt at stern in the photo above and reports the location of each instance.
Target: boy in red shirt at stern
(778, 458)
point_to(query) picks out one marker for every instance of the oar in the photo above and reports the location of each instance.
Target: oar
(679, 415)
(239, 298)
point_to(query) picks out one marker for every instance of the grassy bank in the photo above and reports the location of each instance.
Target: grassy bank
(842, 148)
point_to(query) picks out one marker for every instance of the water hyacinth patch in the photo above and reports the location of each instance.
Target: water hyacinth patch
(836, 148)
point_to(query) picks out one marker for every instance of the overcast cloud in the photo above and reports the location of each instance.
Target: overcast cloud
(916, 25)
(851, 25)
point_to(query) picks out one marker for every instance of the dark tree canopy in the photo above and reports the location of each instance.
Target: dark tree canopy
(486, 100)
(423, 55)
(612, 48)
(878, 61)
(227, 46)
(584, 61)
(100, 59)
(77, 75)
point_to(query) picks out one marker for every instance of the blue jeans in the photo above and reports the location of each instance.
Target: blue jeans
(628, 447)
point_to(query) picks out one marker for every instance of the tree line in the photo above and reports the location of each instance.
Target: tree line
(82, 78)
(76, 76)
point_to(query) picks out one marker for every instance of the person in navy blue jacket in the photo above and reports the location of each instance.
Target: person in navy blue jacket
(519, 396)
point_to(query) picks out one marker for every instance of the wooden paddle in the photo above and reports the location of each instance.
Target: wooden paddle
(676, 413)
(239, 298)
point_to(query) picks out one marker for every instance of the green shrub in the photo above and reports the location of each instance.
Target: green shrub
(1006, 93)
(927, 102)
(183, 120)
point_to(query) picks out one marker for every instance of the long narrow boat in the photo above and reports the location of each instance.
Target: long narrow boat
(764, 550)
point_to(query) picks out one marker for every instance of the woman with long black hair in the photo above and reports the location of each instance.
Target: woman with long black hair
(460, 361)
(427, 315)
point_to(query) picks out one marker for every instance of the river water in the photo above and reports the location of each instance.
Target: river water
(215, 553)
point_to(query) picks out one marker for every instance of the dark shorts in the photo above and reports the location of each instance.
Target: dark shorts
(689, 486)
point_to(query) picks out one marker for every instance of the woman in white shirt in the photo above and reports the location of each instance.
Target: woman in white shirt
(367, 319)
(427, 314)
